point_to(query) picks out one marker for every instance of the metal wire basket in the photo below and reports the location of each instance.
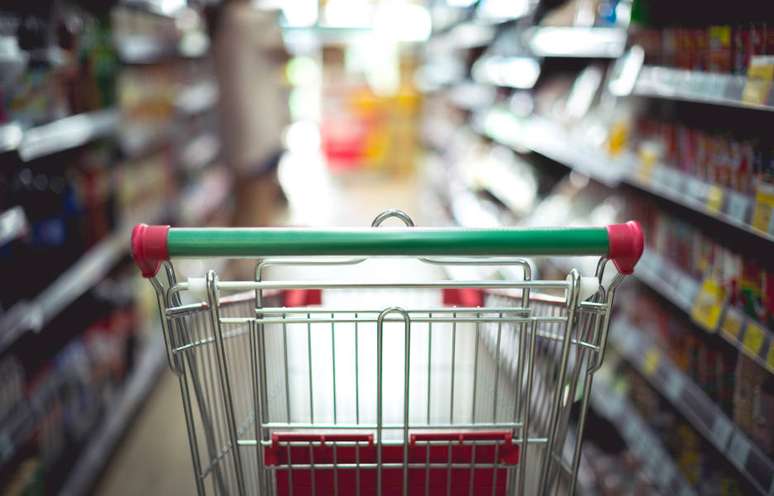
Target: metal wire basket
(410, 385)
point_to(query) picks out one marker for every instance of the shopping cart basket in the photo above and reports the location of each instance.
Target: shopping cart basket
(356, 384)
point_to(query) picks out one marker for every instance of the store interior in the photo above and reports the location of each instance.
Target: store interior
(461, 113)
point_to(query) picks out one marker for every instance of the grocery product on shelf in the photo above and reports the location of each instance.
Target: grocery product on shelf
(719, 39)
(746, 281)
(71, 185)
(71, 372)
(566, 117)
(695, 457)
(736, 156)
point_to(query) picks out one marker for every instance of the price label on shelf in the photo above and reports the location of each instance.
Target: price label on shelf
(739, 450)
(735, 87)
(764, 205)
(661, 179)
(760, 74)
(696, 189)
(673, 386)
(647, 167)
(665, 474)
(754, 337)
(714, 196)
(708, 304)
(721, 431)
(738, 206)
(687, 290)
(6, 447)
(676, 180)
(733, 323)
(651, 362)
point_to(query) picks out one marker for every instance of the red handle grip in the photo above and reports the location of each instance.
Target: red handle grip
(149, 247)
(626, 243)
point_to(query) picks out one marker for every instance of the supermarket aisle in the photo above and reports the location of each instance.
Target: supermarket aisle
(154, 457)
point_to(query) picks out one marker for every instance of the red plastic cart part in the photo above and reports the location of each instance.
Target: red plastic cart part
(293, 298)
(423, 448)
(149, 247)
(463, 297)
(626, 243)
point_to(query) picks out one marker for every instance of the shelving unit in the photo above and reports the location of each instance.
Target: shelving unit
(122, 410)
(747, 335)
(143, 49)
(10, 137)
(463, 36)
(159, 41)
(572, 149)
(19, 424)
(59, 135)
(552, 141)
(658, 464)
(197, 97)
(750, 337)
(13, 224)
(712, 201)
(92, 267)
(703, 414)
(699, 87)
(200, 152)
(200, 202)
(576, 42)
(471, 96)
(546, 138)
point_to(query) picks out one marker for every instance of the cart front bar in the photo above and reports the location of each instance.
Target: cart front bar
(622, 243)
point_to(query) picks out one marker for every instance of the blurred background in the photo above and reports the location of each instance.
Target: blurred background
(476, 113)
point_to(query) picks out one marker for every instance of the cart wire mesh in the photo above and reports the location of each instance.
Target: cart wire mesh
(442, 387)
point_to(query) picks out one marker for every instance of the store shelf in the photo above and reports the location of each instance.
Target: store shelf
(91, 268)
(750, 337)
(542, 136)
(200, 152)
(197, 98)
(10, 136)
(694, 86)
(659, 466)
(66, 133)
(13, 224)
(206, 198)
(471, 96)
(712, 201)
(21, 423)
(143, 49)
(137, 141)
(574, 42)
(156, 7)
(667, 280)
(121, 411)
(703, 414)
(462, 36)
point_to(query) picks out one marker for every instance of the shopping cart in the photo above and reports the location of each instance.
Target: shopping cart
(363, 384)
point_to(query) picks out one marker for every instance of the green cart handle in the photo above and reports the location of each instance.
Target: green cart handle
(151, 245)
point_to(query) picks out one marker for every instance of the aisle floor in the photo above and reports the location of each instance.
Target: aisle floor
(154, 457)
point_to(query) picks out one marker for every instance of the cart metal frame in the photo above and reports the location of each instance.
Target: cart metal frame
(269, 411)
